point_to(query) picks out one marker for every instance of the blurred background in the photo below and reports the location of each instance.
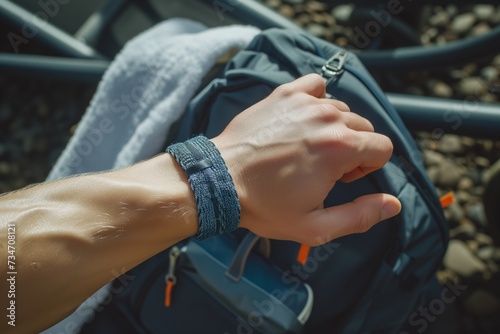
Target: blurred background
(40, 110)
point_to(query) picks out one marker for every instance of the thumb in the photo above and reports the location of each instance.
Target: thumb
(357, 216)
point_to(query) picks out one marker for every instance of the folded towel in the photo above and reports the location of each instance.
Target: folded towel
(145, 90)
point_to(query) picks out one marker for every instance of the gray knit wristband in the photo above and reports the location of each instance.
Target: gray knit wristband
(213, 187)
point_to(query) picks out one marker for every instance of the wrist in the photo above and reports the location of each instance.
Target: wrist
(233, 156)
(212, 185)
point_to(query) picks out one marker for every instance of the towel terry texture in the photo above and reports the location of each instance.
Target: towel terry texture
(144, 91)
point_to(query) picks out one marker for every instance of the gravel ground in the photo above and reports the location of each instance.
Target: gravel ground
(37, 118)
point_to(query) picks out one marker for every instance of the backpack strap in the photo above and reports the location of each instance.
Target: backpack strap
(237, 266)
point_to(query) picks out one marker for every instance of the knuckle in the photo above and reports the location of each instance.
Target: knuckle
(284, 91)
(363, 123)
(327, 112)
(344, 139)
(342, 105)
(369, 125)
(386, 146)
(317, 79)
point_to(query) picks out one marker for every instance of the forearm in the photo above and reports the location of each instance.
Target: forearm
(73, 235)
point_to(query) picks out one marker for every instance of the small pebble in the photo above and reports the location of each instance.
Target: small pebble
(286, 10)
(463, 22)
(342, 13)
(460, 259)
(440, 89)
(433, 173)
(433, 158)
(463, 232)
(489, 73)
(450, 144)
(472, 86)
(454, 212)
(315, 6)
(483, 239)
(475, 212)
(480, 29)
(273, 3)
(439, 19)
(449, 174)
(487, 145)
(483, 12)
(482, 162)
(468, 142)
(315, 29)
(473, 245)
(486, 253)
(462, 196)
(465, 183)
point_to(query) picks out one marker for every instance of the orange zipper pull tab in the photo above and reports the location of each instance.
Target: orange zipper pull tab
(303, 254)
(170, 278)
(168, 292)
(447, 199)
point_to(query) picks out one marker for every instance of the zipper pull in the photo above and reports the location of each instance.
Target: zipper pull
(334, 66)
(170, 278)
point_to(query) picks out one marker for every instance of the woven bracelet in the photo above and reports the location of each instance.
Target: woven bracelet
(214, 191)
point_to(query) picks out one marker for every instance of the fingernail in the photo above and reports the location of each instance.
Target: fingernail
(389, 210)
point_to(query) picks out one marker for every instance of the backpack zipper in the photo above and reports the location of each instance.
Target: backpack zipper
(170, 278)
(334, 67)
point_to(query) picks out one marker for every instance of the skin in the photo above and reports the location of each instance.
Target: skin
(284, 154)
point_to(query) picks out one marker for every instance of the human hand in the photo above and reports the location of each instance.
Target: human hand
(285, 154)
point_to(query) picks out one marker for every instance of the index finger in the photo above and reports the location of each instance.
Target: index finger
(312, 84)
(372, 152)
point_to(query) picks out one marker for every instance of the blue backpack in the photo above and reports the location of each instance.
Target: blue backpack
(363, 283)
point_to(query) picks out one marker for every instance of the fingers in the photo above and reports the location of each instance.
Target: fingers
(357, 123)
(356, 152)
(312, 84)
(340, 105)
(375, 150)
(354, 217)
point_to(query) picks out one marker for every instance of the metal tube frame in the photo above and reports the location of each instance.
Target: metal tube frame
(57, 68)
(95, 25)
(33, 26)
(419, 113)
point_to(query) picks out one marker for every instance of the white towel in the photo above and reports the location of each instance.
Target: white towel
(145, 90)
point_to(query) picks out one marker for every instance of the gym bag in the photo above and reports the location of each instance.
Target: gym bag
(363, 283)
